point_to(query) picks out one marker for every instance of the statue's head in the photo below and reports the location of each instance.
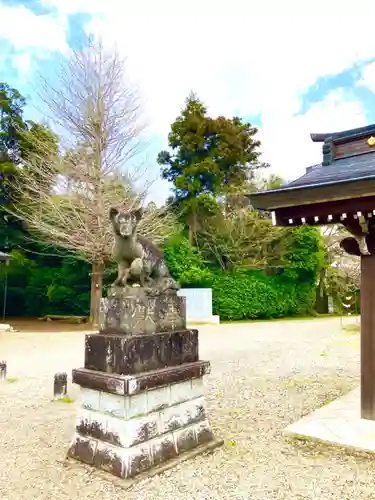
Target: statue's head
(125, 222)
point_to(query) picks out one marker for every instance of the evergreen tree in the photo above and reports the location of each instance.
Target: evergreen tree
(209, 157)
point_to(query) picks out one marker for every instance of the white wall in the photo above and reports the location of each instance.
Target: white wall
(198, 303)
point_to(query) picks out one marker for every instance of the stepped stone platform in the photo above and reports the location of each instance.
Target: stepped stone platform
(142, 394)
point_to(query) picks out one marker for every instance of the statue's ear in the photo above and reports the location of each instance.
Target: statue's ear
(138, 214)
(112, 213)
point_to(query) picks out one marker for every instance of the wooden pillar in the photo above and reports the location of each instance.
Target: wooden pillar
(368, 337)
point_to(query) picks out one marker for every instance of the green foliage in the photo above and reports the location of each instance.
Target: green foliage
(289, 291)
(186, 263)
(272, 182)
(240, 239)
(305, 256)
(208, 153)
(12, 380)
(209, 157)
(11, 120)
(254, 295)
(37, 140)
(11, 123)
(286, 290)
(20, 140)
(39, 285)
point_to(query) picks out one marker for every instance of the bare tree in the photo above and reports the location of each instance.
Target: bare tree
(240, 239)
(342, 272)
(66, 197)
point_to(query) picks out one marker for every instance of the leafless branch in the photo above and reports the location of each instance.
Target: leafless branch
(91, 102)
(240, 238)
(66, 197)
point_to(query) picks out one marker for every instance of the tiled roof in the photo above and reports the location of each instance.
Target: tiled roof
(345, 169)
(344, 135)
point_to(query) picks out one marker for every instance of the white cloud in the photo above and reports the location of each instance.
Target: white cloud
(368, 77)
(22, 62)
(243, 56)
(288, 146)
(26, 30)
(81, 6)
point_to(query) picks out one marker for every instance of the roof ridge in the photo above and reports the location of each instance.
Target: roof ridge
(344, 134)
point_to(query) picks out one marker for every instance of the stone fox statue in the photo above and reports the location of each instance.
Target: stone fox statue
(138, 259)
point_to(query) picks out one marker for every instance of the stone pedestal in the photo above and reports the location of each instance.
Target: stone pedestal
(142, 395)
(131, 312)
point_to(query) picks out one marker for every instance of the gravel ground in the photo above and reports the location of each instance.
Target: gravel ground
(264, 376)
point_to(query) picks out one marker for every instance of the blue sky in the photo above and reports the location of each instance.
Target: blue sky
(291, 69)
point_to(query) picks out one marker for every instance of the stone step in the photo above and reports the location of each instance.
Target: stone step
(129, 462)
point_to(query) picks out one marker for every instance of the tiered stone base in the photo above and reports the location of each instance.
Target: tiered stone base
(130, 423)
(142, 402)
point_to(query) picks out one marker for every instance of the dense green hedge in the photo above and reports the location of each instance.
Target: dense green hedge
(255, 295)
(45, 286)
(286, 290)
(186, 264)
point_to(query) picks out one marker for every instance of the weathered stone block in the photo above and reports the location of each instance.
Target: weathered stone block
(3, 370)
(130, 355)
(94, 425)
(136, 405)
(141, 452)
(158, 399)
(128, 433)
(185, 439)
(90, 399)
(83, 449)
(60, 385)
(130, 430)
(109, 459)
(163, 449)
(134, 384)
(180, 392)
(113, 405)
(197, 387)
(130, 311)
(183, 414)
(203, 432)
(140, 459)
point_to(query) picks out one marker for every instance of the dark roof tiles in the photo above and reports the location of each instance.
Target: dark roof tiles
(345, 169)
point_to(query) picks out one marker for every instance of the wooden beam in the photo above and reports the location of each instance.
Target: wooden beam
(295, 197)
(366, 204)
(368, 337)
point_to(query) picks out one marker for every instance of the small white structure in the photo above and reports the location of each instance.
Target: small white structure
(199, 306)
(337, 423)
(6, 328)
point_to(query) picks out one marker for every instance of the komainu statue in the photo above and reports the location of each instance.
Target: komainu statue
(139, 261)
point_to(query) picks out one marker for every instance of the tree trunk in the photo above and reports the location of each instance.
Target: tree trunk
(192, 223)
(191, 234)
(96, 292)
